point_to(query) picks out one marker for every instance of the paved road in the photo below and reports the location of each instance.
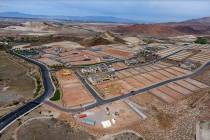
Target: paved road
(140, 91)
(8, 119)
(157, 60)
(89, 88)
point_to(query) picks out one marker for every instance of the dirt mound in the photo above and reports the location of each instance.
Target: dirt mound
(105, 38)
(111, 37)
(93, 41)
(37, 25)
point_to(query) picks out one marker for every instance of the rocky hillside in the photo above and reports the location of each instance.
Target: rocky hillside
(104, 38)
(194, 27)
(204, 20)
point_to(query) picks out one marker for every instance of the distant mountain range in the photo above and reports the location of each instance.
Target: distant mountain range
(204, 20)
(192, 27)
(102, 19)
(189, 27)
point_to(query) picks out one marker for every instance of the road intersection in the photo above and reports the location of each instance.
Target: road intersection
(49, 89)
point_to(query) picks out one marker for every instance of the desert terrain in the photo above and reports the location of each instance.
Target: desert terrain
(110, 81)
(17, 85)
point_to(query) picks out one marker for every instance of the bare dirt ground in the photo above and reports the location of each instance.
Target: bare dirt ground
(204, 76)
(127, 135)
(32, 28)
(109, 89)
(64, 44)
(125, 115)
(123, 120)
(49, 61)
(51, 129)
(15, 84)
(169, 121)
(163, 122)
(117, 53)
(40, 125)
(118, 65)
(74, 94)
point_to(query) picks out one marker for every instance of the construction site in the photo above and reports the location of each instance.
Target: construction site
(109, 83)
(73, 93)
(100, 74)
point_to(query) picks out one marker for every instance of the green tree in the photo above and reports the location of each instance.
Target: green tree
(201, 40)
(56, 96)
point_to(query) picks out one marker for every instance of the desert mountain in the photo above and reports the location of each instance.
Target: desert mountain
(103, 19)
(204, 20)
(103, 38)
(195, 27)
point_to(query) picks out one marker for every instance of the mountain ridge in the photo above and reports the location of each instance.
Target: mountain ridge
(108, 19)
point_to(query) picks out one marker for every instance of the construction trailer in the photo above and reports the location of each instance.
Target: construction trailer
(88, 121)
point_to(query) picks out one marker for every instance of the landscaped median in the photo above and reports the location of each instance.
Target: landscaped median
(56, 96)
(38, 86)
(71, 91)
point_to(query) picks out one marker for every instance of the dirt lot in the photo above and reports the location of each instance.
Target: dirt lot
(125, 117)
(111, 89)
(202, 129)
(51, 129)
(44, 123)
(39, 126)
(64, 44)
(49, 61)
(204, 76)
(122, 136)
(15, 84)
(169, 122)
(118, 65)
(74, 94)
(79, 57)
(117, 53)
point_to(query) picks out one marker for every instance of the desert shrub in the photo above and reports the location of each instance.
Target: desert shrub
(201, 40)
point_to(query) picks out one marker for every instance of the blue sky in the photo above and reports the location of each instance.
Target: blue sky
(139, 10)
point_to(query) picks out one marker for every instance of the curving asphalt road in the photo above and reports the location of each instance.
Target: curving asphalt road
(8, 119)
(140, 91)
(100, 101)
